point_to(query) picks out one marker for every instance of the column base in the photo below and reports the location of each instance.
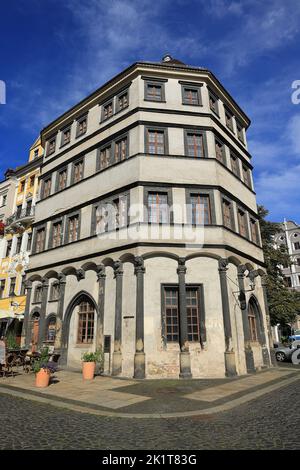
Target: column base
(230, 367)
(265, 356)
(139, 365)
(273, 358)
(249, 360)
(185, 365)
(116, 363)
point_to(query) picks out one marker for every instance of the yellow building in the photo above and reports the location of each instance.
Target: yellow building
(19, 191)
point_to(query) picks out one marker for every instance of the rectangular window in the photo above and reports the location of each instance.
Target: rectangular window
(47, 187)
(2, 288)
(40, 240)
(171, 314)
(200, 209)
(229, 119)
(51, 146)
(85, 323)
(220, 151)
(62, 180)
(12, 287)
(120, 212)
(8, 248)
(4, 200)
(122, 101)
(158, 208)
(227, 214)
(154, 91)
(78, 171)
(65, 136)
(191, 95)
(38, 294)
(57, 234)
(235, 165)
(298, 261)
(36, 153)
(22, 186)
(195, 144)
(192, 310)
(240, 132)
(107, 110)
(156, 142)
(121, 149)
(73, 229)
(213, 103)
(252, 324)
(297, 246)
(242, 221)
(246, 176)
(81, 126)
(19, 211)
(29, 241)
(105, 156)
(19, 243)
(254, 231)
(29, 209)
(31, 181)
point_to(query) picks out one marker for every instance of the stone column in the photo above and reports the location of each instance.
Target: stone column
(117, 354)
(272, 360)
(101, 299)
(243, 304)
(26, 331)
(139, 357)
(45, 285)
(185, 359)
(230, 366)
(60, 313)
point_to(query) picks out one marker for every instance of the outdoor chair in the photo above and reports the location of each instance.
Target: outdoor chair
(7, 368)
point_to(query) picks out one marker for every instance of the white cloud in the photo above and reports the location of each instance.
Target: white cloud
(280, 191)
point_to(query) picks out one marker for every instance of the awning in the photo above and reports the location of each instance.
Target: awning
(11, 314)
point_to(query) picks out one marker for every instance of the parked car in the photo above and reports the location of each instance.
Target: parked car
(284, 353)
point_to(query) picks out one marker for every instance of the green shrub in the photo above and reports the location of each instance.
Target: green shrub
(96, 356)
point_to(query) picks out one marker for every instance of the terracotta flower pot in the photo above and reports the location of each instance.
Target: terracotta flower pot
(88, 370)
(42, 378)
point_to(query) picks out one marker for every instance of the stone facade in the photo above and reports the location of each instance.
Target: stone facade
(170, 282)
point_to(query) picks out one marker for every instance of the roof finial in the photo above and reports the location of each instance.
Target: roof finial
(167, 58)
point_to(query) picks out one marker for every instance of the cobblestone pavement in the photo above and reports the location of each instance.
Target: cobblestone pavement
(269, 422)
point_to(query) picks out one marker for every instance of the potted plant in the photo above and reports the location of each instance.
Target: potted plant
(89, 360)
(43, 369)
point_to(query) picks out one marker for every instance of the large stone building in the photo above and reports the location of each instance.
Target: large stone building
(146, 238)
(289, 237)
(18, 194)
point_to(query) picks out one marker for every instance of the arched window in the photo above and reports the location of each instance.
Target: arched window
(86, 318)
(252, 322)
(51, 330)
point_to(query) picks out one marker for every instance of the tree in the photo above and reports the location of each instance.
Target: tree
(284, 303)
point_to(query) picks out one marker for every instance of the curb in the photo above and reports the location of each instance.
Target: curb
(206, 411)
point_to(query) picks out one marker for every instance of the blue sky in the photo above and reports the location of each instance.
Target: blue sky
(54, 53)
